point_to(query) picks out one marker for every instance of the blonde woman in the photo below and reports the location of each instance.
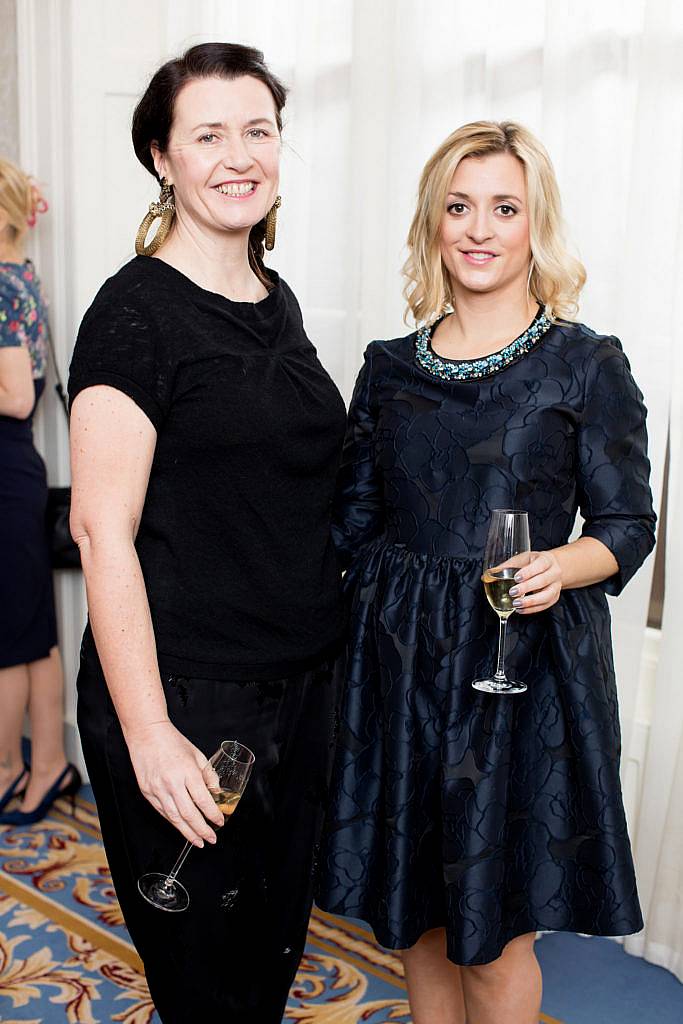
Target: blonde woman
(462, 822)
(30, 666)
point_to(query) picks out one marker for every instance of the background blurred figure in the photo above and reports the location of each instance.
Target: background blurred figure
(30, 666)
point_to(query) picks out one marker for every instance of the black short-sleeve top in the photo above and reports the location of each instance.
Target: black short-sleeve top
(234, 539)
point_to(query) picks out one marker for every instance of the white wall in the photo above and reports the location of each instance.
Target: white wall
(44, 115)
(9, 127)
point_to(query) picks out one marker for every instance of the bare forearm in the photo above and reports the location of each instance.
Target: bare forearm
(14, 404)
(17, 393)
(122, 627)
(7, 402)
(112, 450)
(585, 561)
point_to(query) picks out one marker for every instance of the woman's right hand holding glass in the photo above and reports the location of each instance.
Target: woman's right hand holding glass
(168, 768)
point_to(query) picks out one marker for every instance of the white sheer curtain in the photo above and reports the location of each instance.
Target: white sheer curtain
(376, 85)
(659, 836)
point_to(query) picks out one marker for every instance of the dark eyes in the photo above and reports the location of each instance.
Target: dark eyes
(457, 209)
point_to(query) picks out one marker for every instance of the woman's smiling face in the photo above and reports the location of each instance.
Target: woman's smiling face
(484, 236)
(223, 154)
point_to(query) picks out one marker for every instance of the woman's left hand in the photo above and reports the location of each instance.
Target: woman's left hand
(538, 584)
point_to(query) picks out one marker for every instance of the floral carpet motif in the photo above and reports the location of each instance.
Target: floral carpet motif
(65, 954)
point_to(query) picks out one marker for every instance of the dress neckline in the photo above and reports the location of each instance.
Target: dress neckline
(486, 366)
(268, 306)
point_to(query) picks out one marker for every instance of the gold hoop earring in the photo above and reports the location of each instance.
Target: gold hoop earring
(271, 223)
(164, 208)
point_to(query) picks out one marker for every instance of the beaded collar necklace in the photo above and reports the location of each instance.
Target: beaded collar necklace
(474, 369)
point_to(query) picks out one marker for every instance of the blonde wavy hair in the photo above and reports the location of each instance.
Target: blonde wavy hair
(19, 198)
(555, 276)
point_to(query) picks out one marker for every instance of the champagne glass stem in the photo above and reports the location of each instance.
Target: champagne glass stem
(502, 633)
(178, 864)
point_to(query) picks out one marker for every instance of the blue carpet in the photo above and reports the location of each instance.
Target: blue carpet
(65, 955)
(593, 981)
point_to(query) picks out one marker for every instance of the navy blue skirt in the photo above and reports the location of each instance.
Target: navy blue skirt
(490, 816)
(27, 625)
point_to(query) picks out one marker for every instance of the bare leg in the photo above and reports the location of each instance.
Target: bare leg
(508, 990)
(46, 711)
(434, 983)
(14, 690)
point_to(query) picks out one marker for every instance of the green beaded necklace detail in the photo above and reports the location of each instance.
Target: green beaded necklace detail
(475, 369)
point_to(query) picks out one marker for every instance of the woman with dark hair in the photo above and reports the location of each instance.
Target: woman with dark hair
(205, 438)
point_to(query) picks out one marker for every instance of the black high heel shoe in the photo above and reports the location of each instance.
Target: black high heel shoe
(12, 790)
(53, 793)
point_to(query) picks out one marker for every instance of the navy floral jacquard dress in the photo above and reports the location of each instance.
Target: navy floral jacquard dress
(492, 816)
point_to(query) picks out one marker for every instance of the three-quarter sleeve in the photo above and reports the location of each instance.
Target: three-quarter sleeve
(358, 514)
(119, 344)
(613, 468)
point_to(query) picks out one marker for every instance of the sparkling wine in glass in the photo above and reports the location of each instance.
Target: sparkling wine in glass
(226, 775)
(507, 550)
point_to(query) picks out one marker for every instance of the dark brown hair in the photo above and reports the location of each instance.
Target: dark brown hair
(153, 116)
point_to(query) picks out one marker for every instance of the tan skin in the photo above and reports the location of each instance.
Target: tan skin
(485, 247)
(224, 132)
(38, 685)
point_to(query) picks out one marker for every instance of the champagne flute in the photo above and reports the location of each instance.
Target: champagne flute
(507, 550)
(226, 775)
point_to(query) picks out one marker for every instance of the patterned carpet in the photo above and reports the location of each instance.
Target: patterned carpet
(65, 954)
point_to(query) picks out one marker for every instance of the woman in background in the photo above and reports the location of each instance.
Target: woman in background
(462, 822)
(30, 666)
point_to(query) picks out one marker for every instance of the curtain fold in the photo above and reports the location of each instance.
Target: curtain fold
(659, 837)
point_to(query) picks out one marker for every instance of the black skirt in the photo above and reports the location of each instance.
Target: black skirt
(233, 954)
(28, 629)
